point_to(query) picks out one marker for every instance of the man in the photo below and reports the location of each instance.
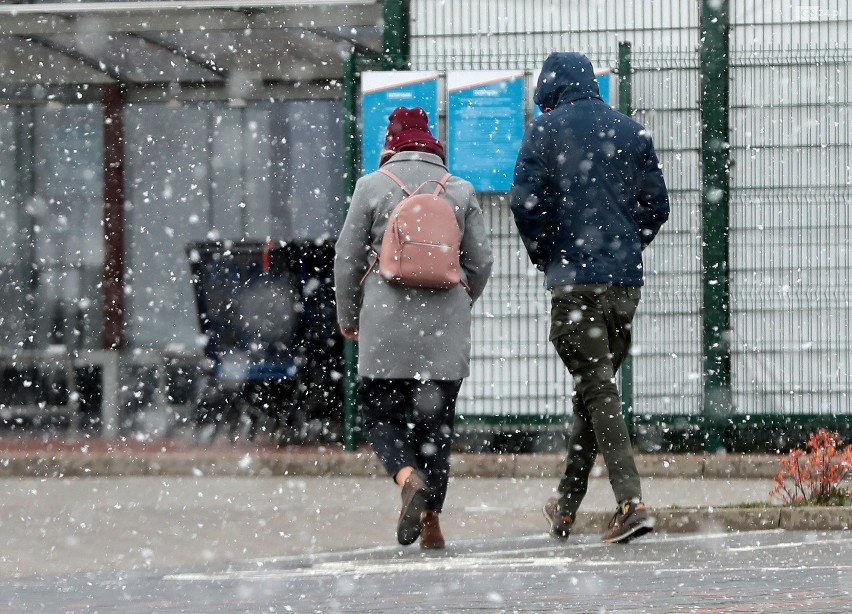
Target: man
(588, 197)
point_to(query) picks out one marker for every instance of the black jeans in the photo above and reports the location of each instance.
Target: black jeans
(591, 330)
(410, 423)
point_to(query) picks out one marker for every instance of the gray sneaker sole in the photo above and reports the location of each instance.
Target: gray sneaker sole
(553, 531)
(642, 528)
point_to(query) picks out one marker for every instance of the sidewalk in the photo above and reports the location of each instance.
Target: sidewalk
(689, 492)
(50, 525)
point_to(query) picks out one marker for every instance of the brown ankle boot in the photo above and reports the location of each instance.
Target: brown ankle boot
(430, 536)
(414, 493)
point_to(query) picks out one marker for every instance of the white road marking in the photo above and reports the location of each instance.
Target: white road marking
(788, 545)
(518, 560)
(543, 538)
(468, 564)
(364, 568)
(357, 552)
(758, 569)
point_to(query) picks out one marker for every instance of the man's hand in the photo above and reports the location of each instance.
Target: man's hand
(349, 333)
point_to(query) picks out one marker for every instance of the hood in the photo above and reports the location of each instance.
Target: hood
(565, 77)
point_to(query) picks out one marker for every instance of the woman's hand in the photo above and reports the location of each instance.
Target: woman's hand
(349, 333)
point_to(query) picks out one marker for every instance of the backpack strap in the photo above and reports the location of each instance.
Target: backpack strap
(396, 180)
(370, 268)
(442, 183)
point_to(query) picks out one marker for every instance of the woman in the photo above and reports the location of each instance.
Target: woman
(414, 343)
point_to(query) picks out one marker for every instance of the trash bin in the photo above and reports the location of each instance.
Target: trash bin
(272, 353)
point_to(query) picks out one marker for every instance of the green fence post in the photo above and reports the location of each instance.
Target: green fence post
(625, 105)
(625, 79)
(396, 40)
(350, 156)
(715, 207)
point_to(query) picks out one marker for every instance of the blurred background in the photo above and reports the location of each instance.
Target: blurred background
(173, 176)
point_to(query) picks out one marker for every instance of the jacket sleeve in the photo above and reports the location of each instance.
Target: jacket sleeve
(476, 256)
(529, 199)
(653, 206)
(351, 259)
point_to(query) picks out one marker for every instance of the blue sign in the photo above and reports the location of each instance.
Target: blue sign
(603, 85)
(485, 126)
(381, 93)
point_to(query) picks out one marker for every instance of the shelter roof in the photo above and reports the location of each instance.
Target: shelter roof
(225, 48)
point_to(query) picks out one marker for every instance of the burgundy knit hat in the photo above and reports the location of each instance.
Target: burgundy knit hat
(408, 130)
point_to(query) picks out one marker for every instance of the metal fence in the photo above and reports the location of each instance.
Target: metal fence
(791, 193)
(791, 229)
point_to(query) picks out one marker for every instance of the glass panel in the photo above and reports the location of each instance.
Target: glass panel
(227, 173)
(135, 59)
(265, 151)
(167, 152)
(270, 170)
(315, 194)
(25, 62)
(11, 321)
(8, 184)
(68, 208)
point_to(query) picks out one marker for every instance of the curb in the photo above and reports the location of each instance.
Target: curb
(335, 463)
(76, 464)
(726, 520)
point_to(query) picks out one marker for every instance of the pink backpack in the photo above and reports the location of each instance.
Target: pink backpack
(421, 243)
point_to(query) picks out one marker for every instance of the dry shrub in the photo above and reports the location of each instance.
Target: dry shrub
(814, 475)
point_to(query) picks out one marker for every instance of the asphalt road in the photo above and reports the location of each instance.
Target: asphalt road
(771, 571)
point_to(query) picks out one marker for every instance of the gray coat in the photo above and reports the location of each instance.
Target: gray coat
(404, 332)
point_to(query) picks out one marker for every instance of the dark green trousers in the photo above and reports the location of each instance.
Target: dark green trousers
(591, 330)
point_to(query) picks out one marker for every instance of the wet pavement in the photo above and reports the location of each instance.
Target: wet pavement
(770, 571)
(160, 527)
(74, 525)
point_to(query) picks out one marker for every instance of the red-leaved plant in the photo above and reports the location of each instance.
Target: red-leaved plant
(814, 476)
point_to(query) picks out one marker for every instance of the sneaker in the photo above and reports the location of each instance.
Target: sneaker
(560, 524)
(629, 522)
(414, 493)
(431, 537)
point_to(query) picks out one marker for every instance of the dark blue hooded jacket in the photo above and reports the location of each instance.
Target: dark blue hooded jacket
(588, 193)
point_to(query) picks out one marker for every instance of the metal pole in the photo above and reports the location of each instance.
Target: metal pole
(625, 79)
(113, 288)
(396, 40)
(715, 193)
(110, 386)
(625, 105)
(350, 155)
